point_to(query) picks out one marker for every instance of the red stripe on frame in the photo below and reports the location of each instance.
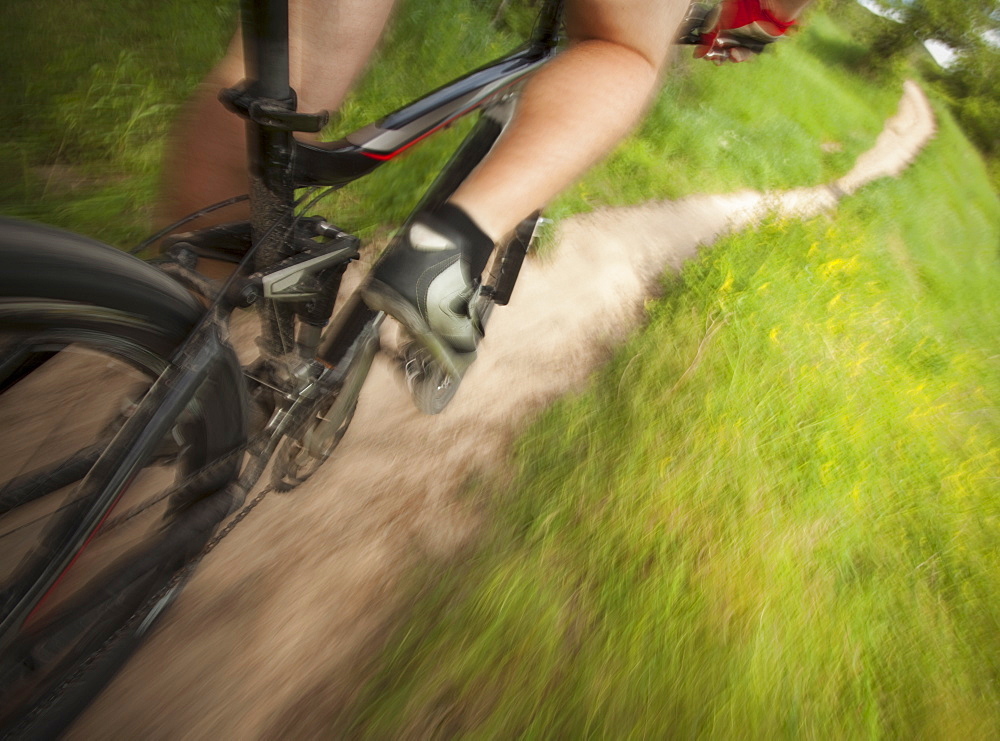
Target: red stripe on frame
(388, 156)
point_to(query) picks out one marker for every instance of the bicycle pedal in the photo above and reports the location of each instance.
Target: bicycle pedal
(430, 385)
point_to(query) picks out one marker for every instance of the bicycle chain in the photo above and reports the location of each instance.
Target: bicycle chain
(182, 573)
(138, 509)
(207, 471)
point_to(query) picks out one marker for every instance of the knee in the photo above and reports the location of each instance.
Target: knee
(643, 64)
(633, 72)
(641, 29)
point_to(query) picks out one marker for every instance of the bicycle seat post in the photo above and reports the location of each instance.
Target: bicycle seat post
(269, 144)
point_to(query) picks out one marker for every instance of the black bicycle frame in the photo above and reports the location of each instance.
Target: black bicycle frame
(278, 164)
(272, 104)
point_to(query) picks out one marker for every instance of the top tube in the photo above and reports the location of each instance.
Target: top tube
(340, 162)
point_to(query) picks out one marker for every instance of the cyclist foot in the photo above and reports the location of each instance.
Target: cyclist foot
(427, 280)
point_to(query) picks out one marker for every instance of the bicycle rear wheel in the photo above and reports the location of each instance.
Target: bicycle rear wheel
(84, 332)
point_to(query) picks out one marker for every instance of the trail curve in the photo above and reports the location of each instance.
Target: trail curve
(271, 632)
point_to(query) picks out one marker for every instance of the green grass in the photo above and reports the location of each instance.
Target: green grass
(774, 514)
(790, 118)
(91, 91)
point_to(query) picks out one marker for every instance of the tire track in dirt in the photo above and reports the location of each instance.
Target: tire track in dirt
(276, 623)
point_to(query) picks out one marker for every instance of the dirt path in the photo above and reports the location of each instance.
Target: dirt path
(269, 635)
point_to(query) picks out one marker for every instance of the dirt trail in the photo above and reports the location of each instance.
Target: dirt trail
(269, 634)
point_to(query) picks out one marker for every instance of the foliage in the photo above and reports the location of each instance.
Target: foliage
(972, 87)
(971, 82)
(88, 92)
(960, 25)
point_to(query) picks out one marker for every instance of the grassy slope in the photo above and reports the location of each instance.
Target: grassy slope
(775, 513)
(88, 93)
(790, 118)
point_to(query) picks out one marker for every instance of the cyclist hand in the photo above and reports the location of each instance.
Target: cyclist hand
(731, 31)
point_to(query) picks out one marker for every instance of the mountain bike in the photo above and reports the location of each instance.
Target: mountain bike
(131, 430)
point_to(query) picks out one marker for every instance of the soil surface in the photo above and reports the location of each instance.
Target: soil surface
(271, 636)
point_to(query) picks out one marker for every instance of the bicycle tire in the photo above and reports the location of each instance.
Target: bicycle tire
(71, 307)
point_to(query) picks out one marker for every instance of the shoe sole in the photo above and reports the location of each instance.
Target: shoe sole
(382, 297)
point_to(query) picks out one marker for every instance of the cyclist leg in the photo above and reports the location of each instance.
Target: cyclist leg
(575, 109)
(571, 113)
(580, 106)
(329, 44)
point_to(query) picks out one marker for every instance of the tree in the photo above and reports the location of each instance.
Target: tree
(971, 82)
(967, 26)
(972, 86)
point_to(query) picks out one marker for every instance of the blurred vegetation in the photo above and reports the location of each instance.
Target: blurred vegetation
(970, 82)
(971, 87)
(775, 511)
(964, 26)
(88, 93)
(93, 90)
